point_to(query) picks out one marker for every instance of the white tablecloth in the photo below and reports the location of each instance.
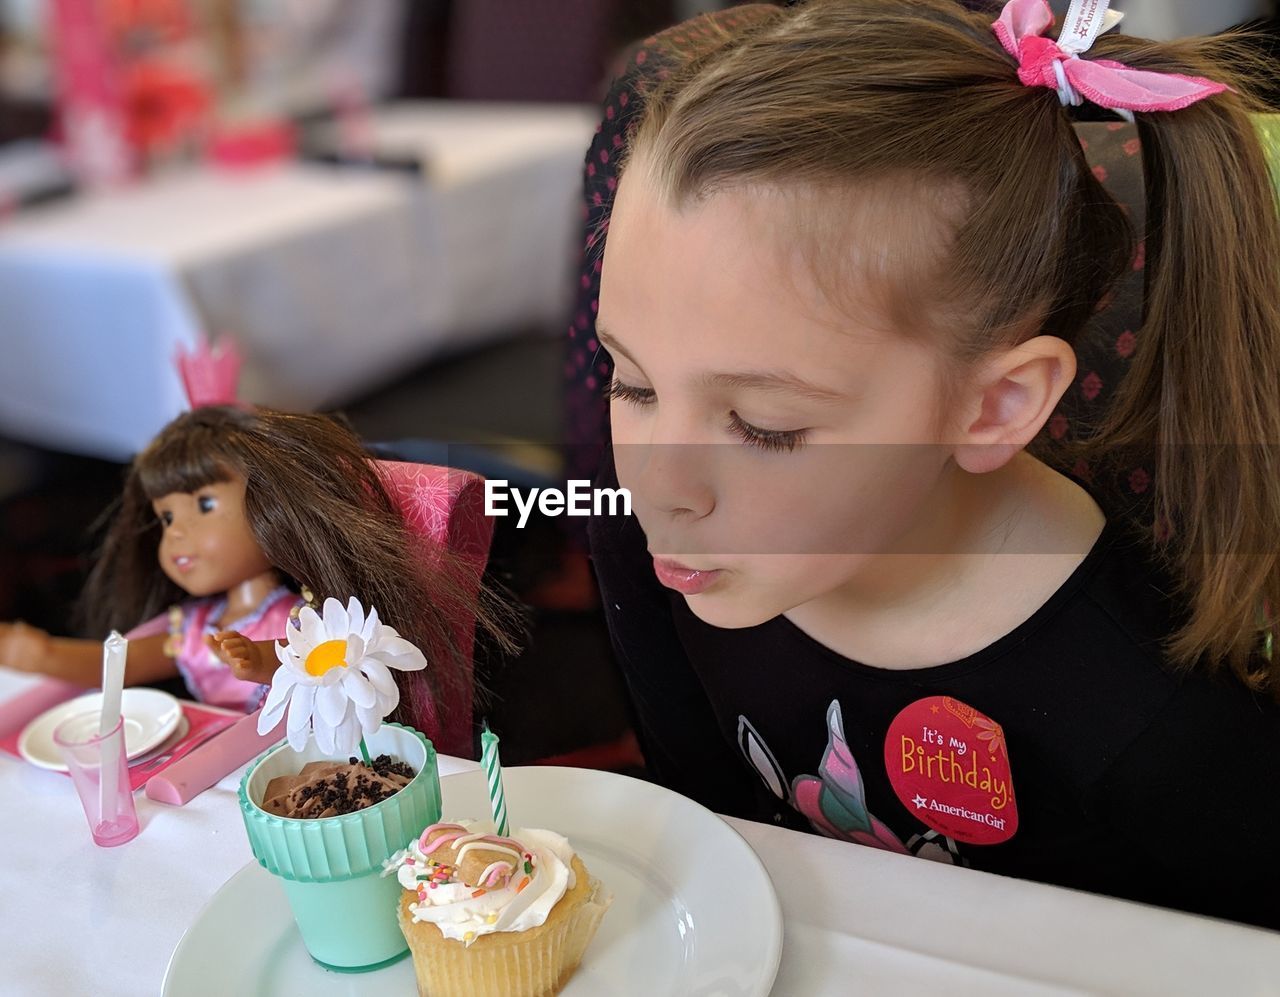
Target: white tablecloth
(1179, 18)
(856, 920)
(333, 280)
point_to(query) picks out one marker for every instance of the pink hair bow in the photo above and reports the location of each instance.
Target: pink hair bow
(1058, 66)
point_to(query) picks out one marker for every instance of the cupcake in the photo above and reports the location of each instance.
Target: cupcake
(488, 916)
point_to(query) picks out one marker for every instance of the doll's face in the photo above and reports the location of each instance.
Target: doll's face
(207, 546)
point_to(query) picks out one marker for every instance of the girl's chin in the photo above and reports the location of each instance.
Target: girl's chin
(720, 608)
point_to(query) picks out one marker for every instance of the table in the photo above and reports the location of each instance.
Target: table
(856, 919)
(333, 279)
(1179, 18)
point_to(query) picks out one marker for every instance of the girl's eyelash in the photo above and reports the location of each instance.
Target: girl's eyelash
(627, 393)
(776, 440)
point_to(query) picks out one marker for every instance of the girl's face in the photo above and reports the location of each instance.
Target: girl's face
(770, 445)
(207, 546)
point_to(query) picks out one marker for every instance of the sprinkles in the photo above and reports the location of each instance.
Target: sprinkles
(504, 877)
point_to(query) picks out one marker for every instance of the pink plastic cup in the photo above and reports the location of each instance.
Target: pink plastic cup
(100, 770)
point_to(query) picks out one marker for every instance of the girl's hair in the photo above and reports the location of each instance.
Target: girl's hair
(323, 518)
(985, 226)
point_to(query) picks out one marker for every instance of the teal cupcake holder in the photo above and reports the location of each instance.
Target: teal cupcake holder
(331, 867)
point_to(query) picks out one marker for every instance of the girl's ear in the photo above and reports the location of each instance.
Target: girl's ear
(1011, 398)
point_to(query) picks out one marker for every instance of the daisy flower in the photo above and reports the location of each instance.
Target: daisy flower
(335, 677)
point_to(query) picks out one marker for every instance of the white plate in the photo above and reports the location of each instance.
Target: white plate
(693, 912)
(150, 716)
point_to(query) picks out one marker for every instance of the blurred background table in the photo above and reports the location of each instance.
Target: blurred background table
(1165, 19)
(332, 278)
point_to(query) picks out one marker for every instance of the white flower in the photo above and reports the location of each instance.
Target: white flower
(335, 678)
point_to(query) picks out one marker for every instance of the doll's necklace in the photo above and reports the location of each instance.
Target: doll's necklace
(173, 643)
(308, 599)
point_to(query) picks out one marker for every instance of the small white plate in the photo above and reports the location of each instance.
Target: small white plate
(693, 912)
(168, 744)
(150, 716)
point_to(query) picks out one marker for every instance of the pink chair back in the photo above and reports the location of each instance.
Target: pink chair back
(446, 507)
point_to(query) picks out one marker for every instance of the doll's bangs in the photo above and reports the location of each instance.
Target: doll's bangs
(185, 463)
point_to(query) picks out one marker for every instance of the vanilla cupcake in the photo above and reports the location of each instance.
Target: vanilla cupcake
(487, 916)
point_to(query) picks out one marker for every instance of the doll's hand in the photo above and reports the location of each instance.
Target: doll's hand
(24, 647)
(241, 655)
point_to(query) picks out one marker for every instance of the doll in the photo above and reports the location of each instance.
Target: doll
(227, 519)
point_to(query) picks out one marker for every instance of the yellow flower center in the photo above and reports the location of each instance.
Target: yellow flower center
(330, 654)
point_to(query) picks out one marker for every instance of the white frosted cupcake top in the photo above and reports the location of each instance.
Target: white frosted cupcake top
(469, 883)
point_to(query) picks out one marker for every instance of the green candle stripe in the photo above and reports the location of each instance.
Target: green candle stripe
(493, 776)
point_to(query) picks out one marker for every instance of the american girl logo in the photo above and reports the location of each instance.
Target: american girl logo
(1084, 19)
(949, 766)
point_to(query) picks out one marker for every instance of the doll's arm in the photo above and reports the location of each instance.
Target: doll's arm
(250, 660)
(30, 649)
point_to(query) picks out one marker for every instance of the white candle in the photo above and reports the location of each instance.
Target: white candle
(114, 652)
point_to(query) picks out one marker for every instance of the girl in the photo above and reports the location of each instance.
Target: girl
(845, 265)
(226, 517)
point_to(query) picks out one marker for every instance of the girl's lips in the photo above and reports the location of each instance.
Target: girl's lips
(685, 580)
(184, 563)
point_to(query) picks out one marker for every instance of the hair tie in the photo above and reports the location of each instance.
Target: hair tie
(1058, 66)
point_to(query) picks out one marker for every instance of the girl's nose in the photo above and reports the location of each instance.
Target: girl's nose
(676, 478)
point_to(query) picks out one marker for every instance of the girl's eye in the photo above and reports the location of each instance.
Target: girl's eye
(627, 393)
(777, 440)
(166, 518)
(206, 503)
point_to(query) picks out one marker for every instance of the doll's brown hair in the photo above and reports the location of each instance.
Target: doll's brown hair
(992, 229)
(320, 513)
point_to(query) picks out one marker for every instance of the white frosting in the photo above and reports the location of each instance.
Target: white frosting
(463, 917)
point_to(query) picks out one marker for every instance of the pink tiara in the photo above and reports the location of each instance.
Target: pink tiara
(210, 375)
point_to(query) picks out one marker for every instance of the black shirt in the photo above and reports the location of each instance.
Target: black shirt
(1130, 780)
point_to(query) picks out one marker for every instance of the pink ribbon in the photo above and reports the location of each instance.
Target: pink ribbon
(1045, 63)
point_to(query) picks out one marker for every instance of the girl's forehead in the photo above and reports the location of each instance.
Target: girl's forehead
(729, 278)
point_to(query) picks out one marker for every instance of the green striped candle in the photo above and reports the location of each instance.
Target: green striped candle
(493, 775)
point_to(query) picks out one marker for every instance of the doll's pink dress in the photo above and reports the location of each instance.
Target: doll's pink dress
(207, 678)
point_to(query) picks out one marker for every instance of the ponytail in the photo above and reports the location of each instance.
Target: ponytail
(1204, 385)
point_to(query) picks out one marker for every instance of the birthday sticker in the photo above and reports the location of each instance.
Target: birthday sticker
(949, 765)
